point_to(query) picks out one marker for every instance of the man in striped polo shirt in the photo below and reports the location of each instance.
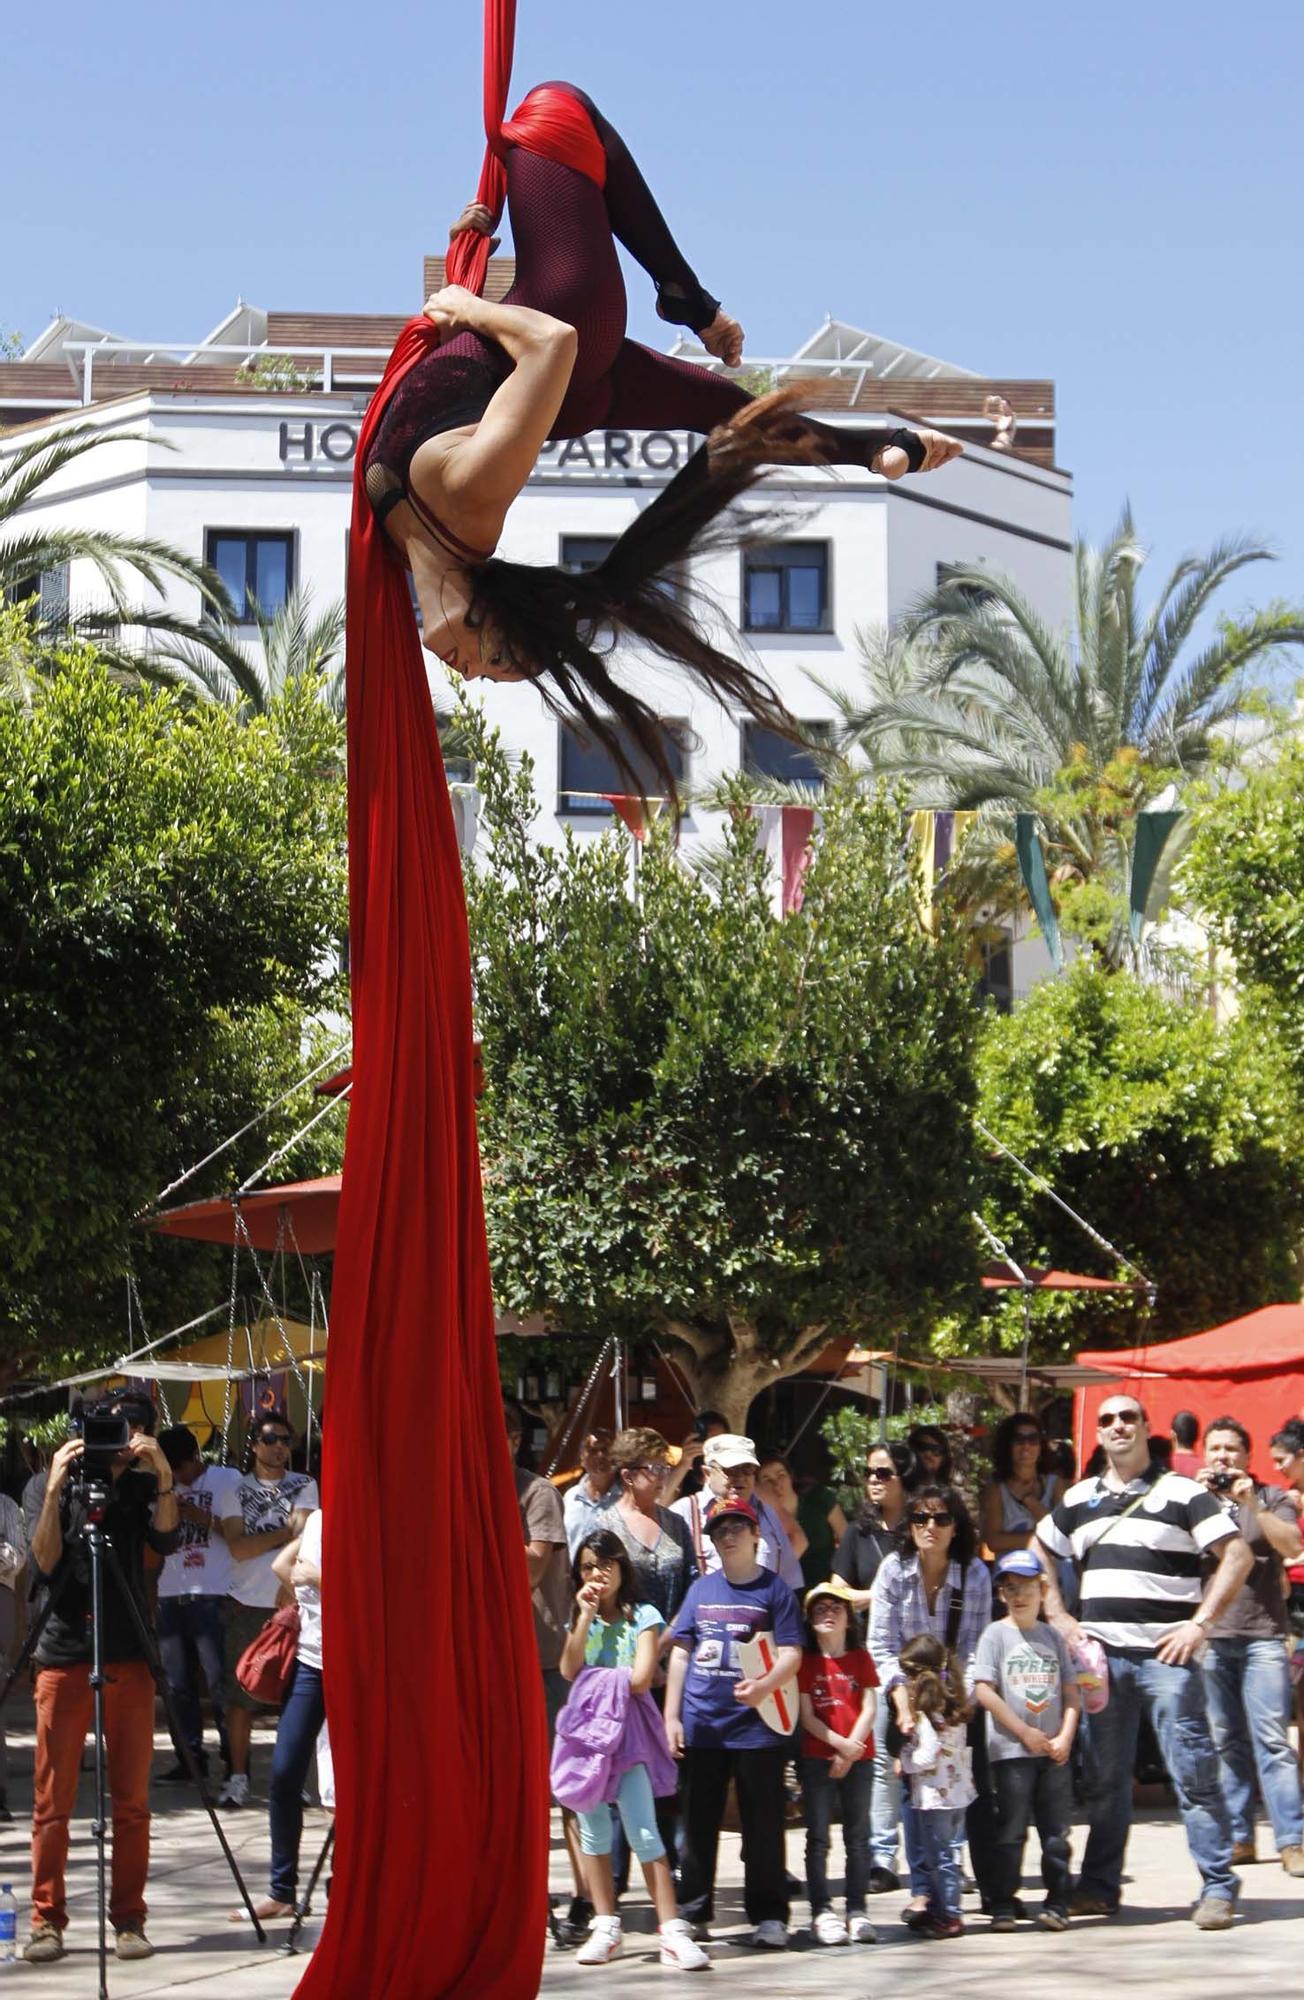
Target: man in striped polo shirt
(1139, 1537)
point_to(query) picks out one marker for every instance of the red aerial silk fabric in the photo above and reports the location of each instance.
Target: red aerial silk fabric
(432, 1678)
(549, 121)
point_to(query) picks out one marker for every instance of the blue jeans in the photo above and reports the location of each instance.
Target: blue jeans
(1248, 1685)
(819, 1789)
(191, 1635)
(1031, 1790)
(937, 1838)
(1174, 1698)
(302, 1716)
(884, 1808)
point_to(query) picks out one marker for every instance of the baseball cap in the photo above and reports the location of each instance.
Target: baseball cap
(728, 1451)
(1019, 1562)
(835, 1587)
(731, 1510)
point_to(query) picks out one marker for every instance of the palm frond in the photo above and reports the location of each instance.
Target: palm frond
(1186, 595)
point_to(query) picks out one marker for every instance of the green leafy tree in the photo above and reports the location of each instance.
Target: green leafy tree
(1245, 873)
(171, 893)
(1172, 1136)
(737, 1134)
(979, 705)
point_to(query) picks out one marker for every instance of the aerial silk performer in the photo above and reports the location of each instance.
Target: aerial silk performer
(432, 1680)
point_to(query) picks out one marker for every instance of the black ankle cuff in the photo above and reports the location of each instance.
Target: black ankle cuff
(679, 307)
(912, 445)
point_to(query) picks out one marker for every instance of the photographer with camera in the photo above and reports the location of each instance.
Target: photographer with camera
(1247, 1675)
(117, 1475)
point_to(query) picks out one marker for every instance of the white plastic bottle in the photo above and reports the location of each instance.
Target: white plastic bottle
(8, 1925)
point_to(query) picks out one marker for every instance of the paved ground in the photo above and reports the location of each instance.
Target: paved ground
(1152, 1948)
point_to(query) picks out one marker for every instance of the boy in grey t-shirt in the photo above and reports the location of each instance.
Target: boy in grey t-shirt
(1025, 1680)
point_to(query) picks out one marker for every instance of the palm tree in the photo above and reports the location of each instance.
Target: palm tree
(293, 645)
(980, 705)
(29, 553)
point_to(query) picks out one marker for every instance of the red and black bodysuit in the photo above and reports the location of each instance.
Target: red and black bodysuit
(565, 225)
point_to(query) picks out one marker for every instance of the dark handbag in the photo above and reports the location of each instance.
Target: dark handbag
(266, 1665)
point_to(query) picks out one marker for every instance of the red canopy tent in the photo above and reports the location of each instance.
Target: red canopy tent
(297, 1215)
(1251, 1369)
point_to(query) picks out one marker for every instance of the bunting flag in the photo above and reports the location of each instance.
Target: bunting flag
(1152, 837)
(786, 834)
(938, 838)
(636, 813)
(1032, 867)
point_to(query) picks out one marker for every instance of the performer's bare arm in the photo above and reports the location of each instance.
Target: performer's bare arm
(471, 477)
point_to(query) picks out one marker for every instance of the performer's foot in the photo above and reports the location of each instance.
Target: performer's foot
(476, 216)
(724, 339)
(894, 459)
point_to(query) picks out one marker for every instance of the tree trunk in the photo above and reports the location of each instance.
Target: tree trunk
(726, 1369)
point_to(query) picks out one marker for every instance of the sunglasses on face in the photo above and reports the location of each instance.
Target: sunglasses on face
(274, 1438)
(931, 1521)
(880, 1472)
(652, 1471)
(1108, 1417)
(1027, 1437)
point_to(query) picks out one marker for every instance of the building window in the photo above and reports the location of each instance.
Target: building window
(766, 754)
(585, 770)
(582, 552)
(972, 593)
(786, 588)
(47, 594)
(256, 569)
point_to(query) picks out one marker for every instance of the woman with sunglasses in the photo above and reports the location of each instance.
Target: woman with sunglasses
(659, 1544)
(934, 1583)
(932, 1450)
(1022, 1491)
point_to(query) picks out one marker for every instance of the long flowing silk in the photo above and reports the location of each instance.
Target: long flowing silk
(433, 1689)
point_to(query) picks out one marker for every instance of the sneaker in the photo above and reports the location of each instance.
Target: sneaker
(606, 1941)
(1292, 1860)
(235, 1792)
(44, 1945)
(829, 1928)
(678, 1947)
(862, 1931)
(1243, 1853)
(1214, 1913)
(945, 1927)
(1083, 1904)
(882, 1880)
(769, 1936)
(1004, 1919)
(1052, 1918)
(132, 1942)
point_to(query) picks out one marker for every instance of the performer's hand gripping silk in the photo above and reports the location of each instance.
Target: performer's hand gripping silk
(461, 433)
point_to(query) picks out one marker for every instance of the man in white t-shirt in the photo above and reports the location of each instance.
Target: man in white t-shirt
(266, 1509)
(192, 1590)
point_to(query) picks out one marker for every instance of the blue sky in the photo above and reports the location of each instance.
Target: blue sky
(1109, 196)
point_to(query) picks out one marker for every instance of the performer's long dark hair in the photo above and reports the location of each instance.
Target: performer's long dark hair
(560, 628)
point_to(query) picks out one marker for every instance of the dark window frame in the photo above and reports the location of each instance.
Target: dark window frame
(250, 537)
(784, 554)
(572, 805)
(748, 735)
(566, 543)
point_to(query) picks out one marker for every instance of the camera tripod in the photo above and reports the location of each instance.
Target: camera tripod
(102, 1552)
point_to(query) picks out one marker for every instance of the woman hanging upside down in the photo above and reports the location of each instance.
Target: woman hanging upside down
(462, 429)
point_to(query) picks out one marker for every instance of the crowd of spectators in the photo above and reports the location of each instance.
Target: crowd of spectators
(931, 1678)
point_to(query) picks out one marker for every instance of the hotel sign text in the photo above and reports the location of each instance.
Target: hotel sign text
(311, 443)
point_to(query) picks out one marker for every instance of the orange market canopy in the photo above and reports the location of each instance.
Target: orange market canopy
(298, 1215)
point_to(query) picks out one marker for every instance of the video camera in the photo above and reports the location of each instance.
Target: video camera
(105, 1434)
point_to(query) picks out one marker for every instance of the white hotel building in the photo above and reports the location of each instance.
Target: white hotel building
(240, 449)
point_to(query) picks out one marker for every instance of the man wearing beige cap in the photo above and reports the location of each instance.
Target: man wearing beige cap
(731, 1465)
